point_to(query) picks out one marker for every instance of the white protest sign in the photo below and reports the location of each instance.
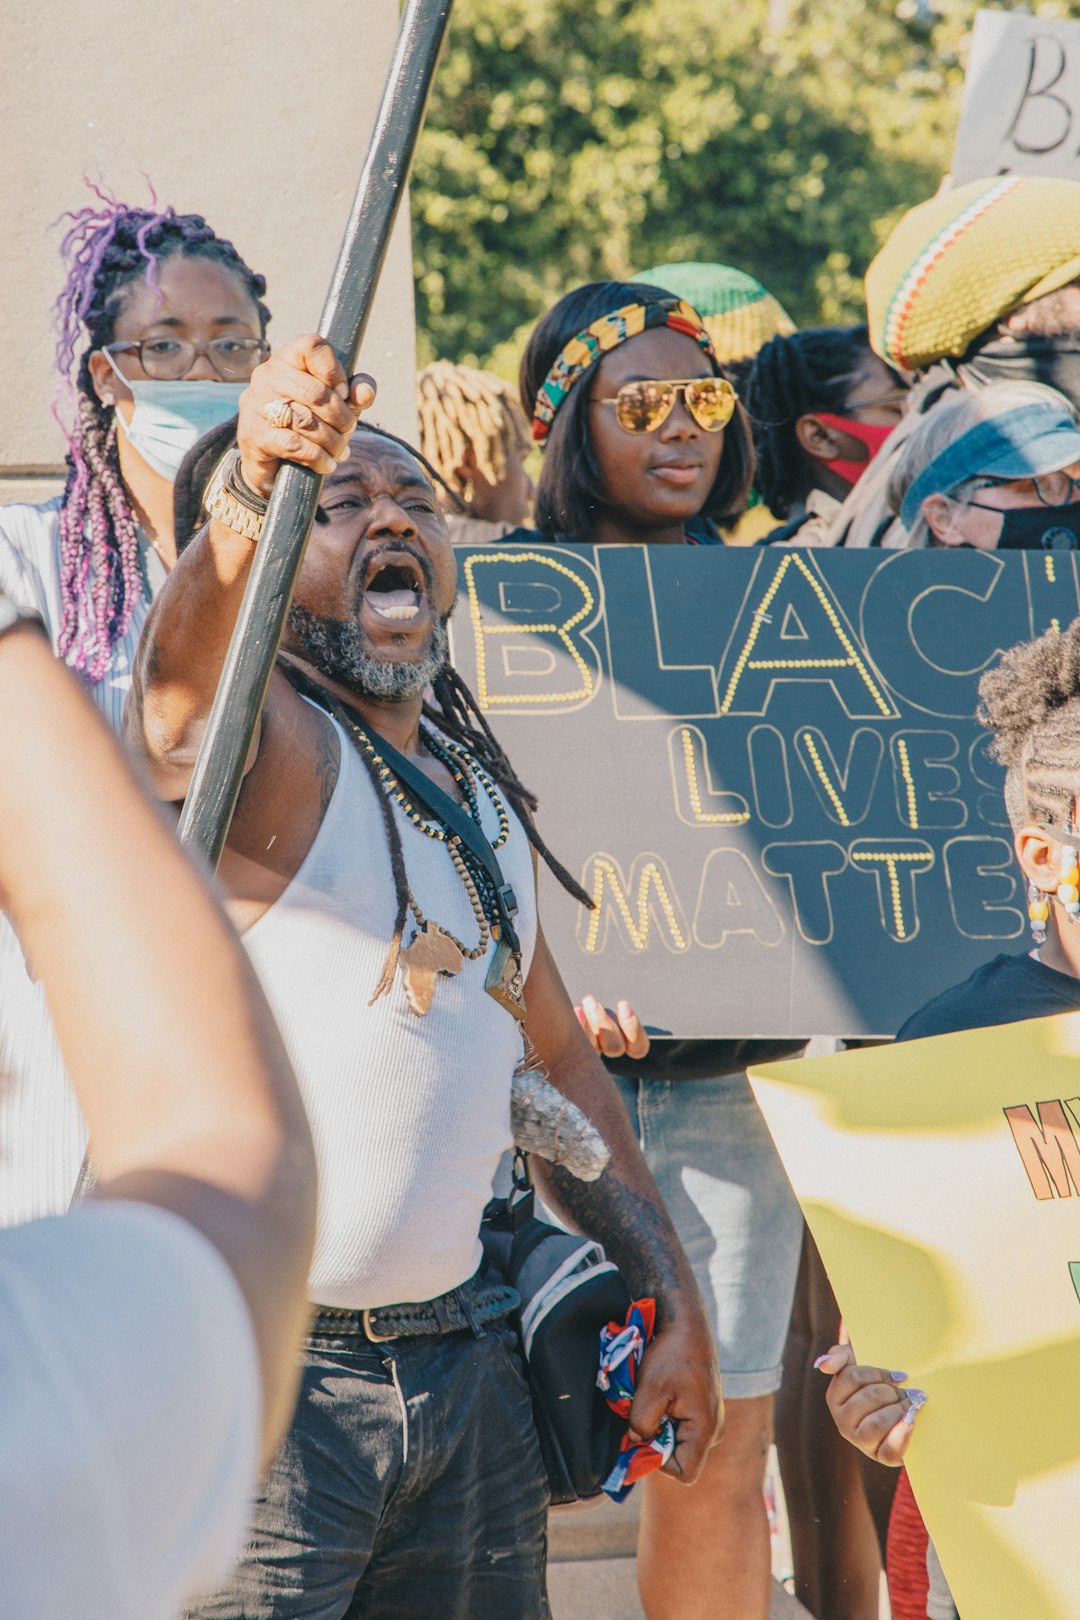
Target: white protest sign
(1021, 112)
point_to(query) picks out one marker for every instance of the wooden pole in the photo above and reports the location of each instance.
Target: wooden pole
(219, 769)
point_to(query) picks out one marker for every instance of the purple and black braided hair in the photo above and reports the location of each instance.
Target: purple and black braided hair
(106, 248)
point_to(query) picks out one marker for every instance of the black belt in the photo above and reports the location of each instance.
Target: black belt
(470, 1306)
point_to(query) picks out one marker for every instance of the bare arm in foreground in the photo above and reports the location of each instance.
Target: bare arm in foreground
(191, 1102)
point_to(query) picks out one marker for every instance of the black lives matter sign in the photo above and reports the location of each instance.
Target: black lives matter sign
(764, 767)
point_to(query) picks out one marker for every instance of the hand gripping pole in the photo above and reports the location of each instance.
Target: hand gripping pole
(219, 768)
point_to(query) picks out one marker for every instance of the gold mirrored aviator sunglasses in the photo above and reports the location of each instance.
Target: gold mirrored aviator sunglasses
(643, 406)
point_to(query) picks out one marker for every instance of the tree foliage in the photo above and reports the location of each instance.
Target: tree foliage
(570, 140)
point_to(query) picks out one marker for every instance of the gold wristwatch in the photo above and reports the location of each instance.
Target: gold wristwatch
(229, 499)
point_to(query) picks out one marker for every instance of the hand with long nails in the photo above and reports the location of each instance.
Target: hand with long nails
(868, 1406)
(614, 1032)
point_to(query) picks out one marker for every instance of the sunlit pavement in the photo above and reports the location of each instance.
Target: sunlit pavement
(591, 1569)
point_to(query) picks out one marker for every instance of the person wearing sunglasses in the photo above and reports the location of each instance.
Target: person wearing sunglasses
(646, 443)
(160, 323)
(993, 470)
(641, 431)
(822, 405)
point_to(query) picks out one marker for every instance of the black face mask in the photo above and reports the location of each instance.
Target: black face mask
(1040, 528)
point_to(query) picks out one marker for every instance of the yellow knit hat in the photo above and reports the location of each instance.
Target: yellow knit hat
(967, 258)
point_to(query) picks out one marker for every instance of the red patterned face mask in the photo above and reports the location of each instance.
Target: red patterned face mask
(872, 434)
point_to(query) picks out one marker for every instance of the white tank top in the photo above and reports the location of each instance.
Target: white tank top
(409, 1114)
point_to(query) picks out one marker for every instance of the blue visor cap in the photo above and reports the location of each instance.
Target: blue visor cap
(1023, 443)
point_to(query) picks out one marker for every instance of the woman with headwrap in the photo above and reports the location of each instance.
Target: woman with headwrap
(646, 443)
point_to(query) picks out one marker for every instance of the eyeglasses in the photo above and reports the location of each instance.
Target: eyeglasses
(1052, 489)
(642, 407)
(895, 400)
(169, 359)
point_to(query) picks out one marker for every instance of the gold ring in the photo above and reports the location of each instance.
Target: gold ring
(279, 413)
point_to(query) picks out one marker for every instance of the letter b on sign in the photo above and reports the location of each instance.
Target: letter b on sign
(529, 615)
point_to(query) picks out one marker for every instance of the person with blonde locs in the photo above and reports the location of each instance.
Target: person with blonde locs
(474, 433)
(1030, 703)
(645, 442)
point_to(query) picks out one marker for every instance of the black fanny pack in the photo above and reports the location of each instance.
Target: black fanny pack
(569, 1290)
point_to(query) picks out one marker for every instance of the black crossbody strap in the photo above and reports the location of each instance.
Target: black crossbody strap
(431, 797)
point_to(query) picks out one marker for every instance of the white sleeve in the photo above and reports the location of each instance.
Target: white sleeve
(129, 1415)
(29, 560)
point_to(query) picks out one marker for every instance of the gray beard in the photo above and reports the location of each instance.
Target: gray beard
(335, 647)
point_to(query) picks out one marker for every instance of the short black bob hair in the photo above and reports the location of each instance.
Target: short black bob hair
(571, 494)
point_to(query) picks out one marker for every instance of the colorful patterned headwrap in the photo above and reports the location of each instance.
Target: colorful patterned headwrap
(959, 263)
(605, 333)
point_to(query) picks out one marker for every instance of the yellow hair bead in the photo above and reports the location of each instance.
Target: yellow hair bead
(1067, 893)
(1071, 875)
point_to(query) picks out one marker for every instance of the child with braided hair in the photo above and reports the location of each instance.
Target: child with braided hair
(821, 404)
(159, 323)
(1030, 703)
(474, 433)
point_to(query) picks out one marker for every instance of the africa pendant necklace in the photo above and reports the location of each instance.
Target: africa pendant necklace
(434, 951)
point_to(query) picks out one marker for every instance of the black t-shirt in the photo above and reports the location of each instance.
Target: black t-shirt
(1005, 991)
(669, 1059)
(699, 531)
(674, 1059)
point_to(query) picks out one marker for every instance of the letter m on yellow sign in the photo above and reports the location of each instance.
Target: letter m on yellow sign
(1048, 1147)
(643, 909)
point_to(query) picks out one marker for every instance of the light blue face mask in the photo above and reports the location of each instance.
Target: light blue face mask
(169, 417)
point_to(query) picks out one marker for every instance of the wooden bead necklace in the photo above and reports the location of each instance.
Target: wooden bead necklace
(460, 764)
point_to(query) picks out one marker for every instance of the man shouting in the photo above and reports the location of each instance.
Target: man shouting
(400, 949)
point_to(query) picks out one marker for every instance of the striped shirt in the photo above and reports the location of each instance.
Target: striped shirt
(42, 1135)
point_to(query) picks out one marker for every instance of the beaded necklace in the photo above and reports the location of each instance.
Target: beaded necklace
(433, 949)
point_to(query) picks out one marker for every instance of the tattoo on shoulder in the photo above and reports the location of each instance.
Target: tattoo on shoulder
(636, 1234)
(327, 763)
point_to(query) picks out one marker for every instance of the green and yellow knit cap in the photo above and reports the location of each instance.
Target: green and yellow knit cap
(739, 313)
(957, 264)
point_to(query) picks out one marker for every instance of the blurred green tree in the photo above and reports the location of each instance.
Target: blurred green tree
(569, 140)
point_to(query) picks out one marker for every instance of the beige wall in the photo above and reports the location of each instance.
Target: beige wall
(255, 113)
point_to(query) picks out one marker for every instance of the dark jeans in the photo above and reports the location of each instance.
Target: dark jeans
(409, 1486)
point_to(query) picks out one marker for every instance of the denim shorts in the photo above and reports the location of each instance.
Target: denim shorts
(410, 1487)
(713, 1159)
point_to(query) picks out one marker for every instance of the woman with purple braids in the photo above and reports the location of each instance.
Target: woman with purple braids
(160, 324)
